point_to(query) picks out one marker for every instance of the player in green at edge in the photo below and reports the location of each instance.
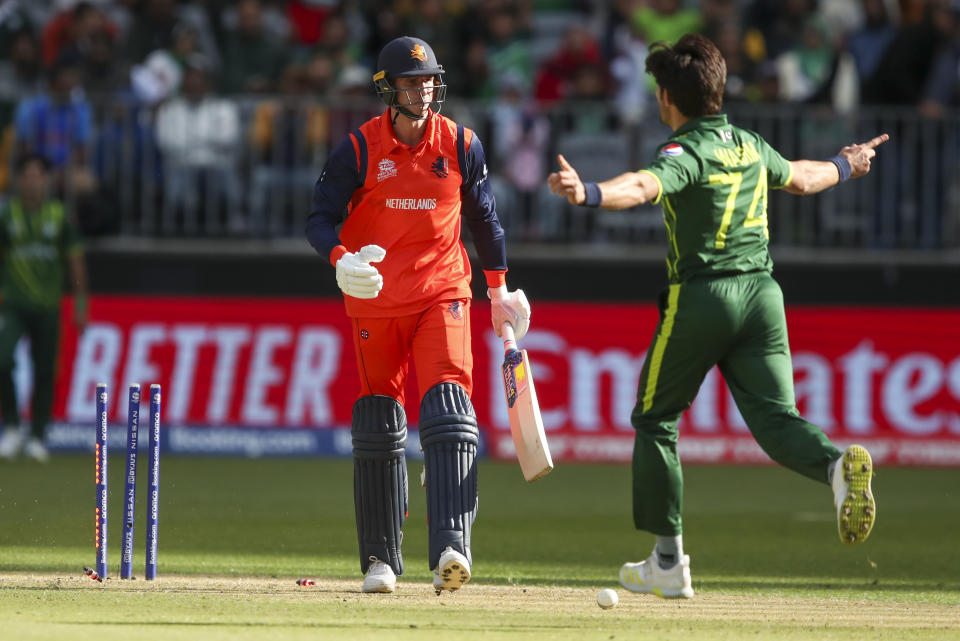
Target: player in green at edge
(38, 240)
(722, 306)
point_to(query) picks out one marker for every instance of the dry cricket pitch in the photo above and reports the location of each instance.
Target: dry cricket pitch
(181, 607)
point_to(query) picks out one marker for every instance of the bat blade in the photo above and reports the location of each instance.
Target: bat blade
(526, 424)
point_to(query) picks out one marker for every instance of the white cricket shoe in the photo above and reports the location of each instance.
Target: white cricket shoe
(11, 442)
(36, 450)
(647, 576)
(452, 572)
(380, 577)
(852, 495)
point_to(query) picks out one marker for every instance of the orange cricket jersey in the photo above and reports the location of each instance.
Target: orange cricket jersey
(409, 204)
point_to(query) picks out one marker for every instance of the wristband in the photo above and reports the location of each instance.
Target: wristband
(495, 277)
(594, 197)
(843, 166)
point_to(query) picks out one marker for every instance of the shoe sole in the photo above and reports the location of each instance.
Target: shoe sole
(857, 512)
(683, 593)
(454, 575)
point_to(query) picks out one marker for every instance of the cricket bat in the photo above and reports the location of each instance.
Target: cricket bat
(526, 426)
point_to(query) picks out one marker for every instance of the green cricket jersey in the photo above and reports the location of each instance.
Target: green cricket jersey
(713, 181)
(33, 253)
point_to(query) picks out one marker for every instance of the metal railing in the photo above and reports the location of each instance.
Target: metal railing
(254, 179)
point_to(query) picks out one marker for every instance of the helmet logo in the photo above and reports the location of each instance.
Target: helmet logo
(417, 53)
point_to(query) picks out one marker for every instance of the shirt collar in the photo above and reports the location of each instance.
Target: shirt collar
(707, 122)
(388, 134)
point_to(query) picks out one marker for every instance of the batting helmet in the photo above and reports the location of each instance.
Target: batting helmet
(407, 57)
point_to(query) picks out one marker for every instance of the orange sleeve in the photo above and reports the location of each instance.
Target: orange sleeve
(496, 278)
(336, 253)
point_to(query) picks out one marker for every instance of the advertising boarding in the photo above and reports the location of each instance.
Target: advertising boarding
(257, 377)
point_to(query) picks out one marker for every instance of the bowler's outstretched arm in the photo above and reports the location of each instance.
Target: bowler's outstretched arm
(813, 176)
(621, 192)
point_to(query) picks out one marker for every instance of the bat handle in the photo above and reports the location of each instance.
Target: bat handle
(509, 340)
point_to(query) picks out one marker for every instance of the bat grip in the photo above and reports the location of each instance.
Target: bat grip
(509, 340)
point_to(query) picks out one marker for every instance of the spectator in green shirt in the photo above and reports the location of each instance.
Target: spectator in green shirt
(666, 21)
(253, 60)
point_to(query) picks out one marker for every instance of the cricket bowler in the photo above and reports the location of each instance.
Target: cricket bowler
(722, 306)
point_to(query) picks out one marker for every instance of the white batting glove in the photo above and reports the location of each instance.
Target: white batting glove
(356, 276)
(511, 307)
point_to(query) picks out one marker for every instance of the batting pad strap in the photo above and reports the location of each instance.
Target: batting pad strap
(449, 437)
(379, 431)
(446, 414)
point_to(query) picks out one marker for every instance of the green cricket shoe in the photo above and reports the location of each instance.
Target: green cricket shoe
(856, 507)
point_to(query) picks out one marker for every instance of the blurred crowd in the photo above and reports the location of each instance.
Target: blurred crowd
(76, 78)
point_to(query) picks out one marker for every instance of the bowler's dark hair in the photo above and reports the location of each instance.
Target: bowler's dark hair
(693, 71)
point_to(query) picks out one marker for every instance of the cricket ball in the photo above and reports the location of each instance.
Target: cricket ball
(607, 598)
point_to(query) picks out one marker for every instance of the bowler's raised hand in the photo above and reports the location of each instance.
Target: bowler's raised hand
(567, 183)
(859, 156)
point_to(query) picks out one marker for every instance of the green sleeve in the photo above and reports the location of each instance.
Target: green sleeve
(779, 172)
(674, 168)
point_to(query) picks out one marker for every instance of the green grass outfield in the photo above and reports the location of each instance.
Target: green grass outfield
(236, 534)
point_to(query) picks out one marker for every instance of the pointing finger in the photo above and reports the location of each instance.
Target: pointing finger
(563, 162)
(874, 142)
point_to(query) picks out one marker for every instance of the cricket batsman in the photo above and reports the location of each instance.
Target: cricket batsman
(401, 184)
(722, 306)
